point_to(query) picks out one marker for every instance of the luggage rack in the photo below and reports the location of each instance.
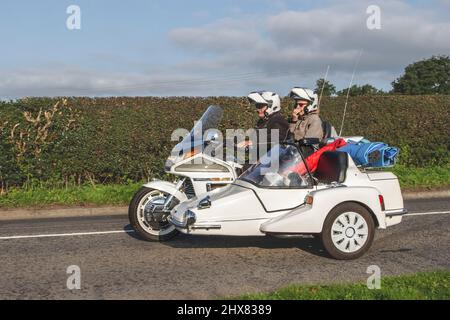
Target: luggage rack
(368, 168)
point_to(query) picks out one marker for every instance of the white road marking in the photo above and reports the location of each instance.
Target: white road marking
(132, 231)
(426, 213)
(66, 234)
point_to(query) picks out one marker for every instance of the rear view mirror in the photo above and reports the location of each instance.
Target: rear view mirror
(211, 135)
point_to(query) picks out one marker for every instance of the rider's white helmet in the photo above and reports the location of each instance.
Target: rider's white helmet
(299, 93)
(271, 99)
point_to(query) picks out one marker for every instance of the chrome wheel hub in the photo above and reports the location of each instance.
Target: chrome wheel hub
(152, 216)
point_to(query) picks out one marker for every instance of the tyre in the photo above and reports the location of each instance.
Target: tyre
(147, 217)
(348, 231)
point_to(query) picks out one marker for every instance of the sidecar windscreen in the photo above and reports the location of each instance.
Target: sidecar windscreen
(281, 167)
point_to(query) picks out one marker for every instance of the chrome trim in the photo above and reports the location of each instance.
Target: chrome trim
(176, 223)
(182, 225)
(204, 203)
(212, 226)
(189, 219)
(396, 212)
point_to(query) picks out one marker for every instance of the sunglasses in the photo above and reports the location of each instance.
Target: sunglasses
(260, 106)
(300, 104)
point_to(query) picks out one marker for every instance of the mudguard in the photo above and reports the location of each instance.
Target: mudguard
(310, 218)
(167, 187)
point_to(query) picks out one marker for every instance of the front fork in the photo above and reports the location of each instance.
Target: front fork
(170, 197)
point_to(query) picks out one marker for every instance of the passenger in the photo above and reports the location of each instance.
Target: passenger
(305, 121)
(268, 106)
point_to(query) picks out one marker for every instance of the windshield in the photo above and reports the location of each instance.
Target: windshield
(194, 140)
(209, 120)
(281, 167)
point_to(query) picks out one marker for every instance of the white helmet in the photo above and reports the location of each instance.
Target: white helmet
(270, 99)
(299, 93)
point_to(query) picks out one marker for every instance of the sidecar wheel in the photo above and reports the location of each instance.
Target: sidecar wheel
(348, 231)
(149, 223)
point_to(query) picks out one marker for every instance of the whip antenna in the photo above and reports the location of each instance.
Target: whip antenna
(323, 86)
(348, 91)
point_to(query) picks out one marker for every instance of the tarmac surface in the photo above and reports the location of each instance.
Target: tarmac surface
(114, 264)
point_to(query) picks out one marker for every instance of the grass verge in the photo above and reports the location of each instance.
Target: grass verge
(71, 196)
(423, 178)
(420, 286)
(410, 179)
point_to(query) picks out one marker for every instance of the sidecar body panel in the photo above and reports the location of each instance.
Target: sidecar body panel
(246, 208)
(310, 218)
(234, 210)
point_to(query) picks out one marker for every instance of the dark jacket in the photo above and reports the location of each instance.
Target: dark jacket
(275, 121)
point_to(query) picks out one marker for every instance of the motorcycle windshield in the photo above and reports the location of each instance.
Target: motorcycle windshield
(193, 142)
(281, 167)
(210, 120)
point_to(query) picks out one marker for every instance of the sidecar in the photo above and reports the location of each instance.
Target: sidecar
(279, 196)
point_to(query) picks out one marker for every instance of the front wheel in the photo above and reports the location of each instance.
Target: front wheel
(148, 217)
(348, 231)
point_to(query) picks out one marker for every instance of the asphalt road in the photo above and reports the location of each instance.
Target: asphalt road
(119, 266)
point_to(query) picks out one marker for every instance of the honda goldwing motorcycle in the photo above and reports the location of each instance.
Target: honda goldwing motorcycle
(198, 171)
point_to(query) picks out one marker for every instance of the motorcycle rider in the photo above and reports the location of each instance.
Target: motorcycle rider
(305, 121)
(268, 106)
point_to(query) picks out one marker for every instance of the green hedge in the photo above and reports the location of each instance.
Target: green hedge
(62, 141)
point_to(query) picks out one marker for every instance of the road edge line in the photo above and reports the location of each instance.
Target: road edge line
(75, 212)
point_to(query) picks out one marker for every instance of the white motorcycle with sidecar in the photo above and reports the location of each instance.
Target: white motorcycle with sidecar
(340, 203)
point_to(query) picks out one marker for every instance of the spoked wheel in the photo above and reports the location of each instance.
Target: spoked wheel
(348, 231)
(148, 216)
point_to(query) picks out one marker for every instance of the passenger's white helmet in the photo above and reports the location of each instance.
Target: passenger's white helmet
(299, 93)
(271, 99)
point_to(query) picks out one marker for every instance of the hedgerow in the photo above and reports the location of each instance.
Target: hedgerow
(67, 141)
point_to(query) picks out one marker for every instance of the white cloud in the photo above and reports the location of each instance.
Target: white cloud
(295, 41)
(226, 35)
(232, 56)
(180, 80)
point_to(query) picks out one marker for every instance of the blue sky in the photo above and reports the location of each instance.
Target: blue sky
(201, 47)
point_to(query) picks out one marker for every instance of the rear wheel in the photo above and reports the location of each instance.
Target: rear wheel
(148, 217)
(348, 231)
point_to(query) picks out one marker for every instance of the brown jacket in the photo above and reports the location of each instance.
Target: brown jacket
(309, 126)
